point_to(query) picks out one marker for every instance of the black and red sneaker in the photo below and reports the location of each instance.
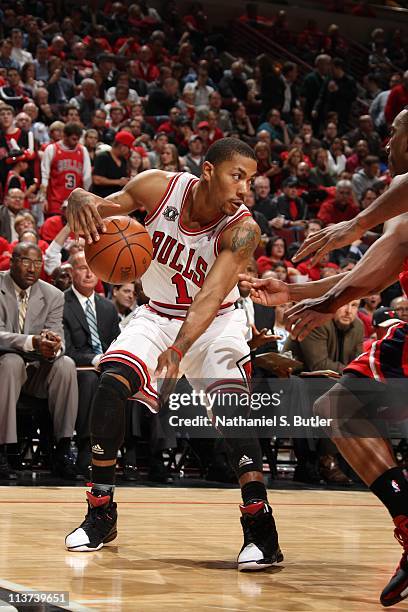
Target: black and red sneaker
(261, 546)
(397, 588)
(99, 526)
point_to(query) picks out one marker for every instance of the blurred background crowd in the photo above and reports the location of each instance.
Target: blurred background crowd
(92, 95)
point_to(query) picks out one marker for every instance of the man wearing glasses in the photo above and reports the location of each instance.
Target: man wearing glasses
(31, 354)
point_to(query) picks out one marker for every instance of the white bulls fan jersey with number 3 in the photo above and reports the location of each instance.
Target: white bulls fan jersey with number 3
(182, 257)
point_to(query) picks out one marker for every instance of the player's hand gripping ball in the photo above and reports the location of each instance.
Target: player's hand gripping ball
(122, 254)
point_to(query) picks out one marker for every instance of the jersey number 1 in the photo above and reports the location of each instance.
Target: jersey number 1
(182, 293)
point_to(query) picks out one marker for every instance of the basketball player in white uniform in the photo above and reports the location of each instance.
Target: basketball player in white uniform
(203, 237)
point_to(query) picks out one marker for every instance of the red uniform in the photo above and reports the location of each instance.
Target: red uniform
(387, 358)
(66, 174)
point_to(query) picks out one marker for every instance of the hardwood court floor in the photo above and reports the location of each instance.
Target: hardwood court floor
(176, 551)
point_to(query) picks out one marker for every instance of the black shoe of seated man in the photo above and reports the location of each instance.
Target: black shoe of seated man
(83, 463)
(220, 471)
(64, 467)
(6, 473)
(307, 472)
(131, 473)
(159, 473)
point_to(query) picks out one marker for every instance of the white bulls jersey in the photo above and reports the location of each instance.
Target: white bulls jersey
(182, 257)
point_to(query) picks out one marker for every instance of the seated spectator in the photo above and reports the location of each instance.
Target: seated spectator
(99, 123)
(18, 53)
(90, 324)
(160, 140)
(333, 345)
(116, 115)
(124, 299)
(172, 127)
(201, 87)
(162, 98)
(17, 161)
(400, 305)
(12, 205)
(32, 343)
(306, 180)
(276, 128)
(241, 123)
(169, 159)
(269, 166)
(110, 171)
(341, 207)
(215, 105)
(291, 162)
(14, 93)
(60, 88)
(62, 276)
(366, 177)
(321, 170)
(288, 209)
(263, 198)
(112, 93)
(233, 85)
(337, 158)
(87, 101)
(136, 162)
(144, 67)
(365, 131)
(355, 161)
(6, 61)
(261, 220)
(193, 161)
(310, 143)
(275, 251)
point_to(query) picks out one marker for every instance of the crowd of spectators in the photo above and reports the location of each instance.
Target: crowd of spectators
(91, 96)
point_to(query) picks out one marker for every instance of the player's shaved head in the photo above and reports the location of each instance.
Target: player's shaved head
(226, 148)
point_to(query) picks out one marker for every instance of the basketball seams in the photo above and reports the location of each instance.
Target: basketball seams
(127, 243)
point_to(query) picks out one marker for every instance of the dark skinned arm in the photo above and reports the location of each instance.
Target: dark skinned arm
(378, 269)
(273, 292)
(390, 204)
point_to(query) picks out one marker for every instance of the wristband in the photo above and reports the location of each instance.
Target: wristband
(176, 350)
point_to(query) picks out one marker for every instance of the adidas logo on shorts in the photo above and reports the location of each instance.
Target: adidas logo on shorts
(97, 449)
(244, 461)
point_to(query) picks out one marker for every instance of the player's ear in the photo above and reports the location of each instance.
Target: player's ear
(207, 171)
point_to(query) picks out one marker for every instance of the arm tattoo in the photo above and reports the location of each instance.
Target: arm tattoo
(245, 240)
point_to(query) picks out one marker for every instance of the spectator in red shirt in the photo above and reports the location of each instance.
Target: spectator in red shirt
(397, 100)
(355, 161)
(144, 67)
(341, 207)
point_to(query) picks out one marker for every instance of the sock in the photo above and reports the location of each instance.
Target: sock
(253, 491)
(391, 488)
(105, 475)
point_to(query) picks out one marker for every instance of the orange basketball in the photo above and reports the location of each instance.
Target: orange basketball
(122, 254)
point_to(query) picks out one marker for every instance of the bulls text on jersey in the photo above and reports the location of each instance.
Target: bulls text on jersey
(168, 251)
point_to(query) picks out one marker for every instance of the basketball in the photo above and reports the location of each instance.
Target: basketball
(122, 254)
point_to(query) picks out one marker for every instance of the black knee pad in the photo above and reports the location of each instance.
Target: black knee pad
(122, 369)
(244, 449)
(108, 417)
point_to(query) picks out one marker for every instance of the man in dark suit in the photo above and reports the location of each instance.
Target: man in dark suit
(31, 349)
(13, 203)
(91, 323)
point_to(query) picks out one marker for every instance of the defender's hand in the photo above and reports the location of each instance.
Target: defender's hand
(84, 214)
(328, 239)
(302, 318)
(268, 291)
